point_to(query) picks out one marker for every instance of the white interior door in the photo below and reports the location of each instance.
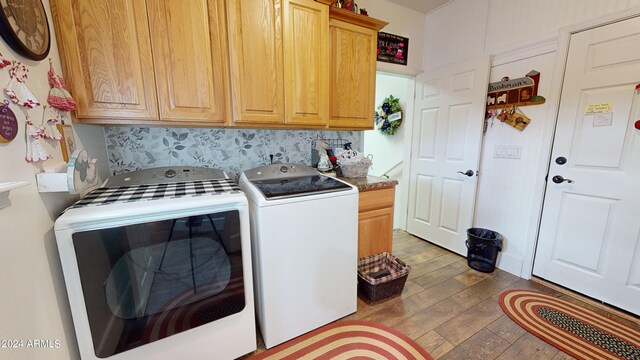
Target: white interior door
(447, 134)
(590, 229)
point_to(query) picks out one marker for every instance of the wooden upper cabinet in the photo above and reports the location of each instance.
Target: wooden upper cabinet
(306, 62)
(107, 58)
(189, 41)
(259, 63)
(256, 60)
(353, 44)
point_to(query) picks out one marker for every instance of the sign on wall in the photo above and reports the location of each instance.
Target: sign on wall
(393, 48)
(520, 92)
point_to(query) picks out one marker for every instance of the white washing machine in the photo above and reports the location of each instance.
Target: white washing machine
(157, 265)
(304, 236)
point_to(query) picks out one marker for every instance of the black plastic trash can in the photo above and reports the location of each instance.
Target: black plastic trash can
(483, 246)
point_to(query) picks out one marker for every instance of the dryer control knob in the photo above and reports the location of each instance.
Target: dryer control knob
(170, 173)
(284, 169)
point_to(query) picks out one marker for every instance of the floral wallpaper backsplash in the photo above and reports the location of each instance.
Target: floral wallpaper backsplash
(232, 150)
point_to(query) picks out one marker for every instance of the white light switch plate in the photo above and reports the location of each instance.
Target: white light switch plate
(507, 151)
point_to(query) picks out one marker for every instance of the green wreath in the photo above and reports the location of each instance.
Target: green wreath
(388, 116)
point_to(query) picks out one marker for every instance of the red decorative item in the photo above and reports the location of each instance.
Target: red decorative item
(637, 125)
(4, 62)
(59, 98)
(638, 87)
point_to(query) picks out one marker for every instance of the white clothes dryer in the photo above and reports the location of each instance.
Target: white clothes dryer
(157, 265)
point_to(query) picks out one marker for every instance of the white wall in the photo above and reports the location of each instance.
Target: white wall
(511, 191)
(404, 22)
(33, 301)
(464, 28)
(454, 32)
(517, 20)
(388, 150)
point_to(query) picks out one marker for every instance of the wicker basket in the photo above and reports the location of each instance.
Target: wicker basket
(355, 171)
(374, 288)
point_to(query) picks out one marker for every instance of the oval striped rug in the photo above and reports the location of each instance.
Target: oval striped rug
(575, 330)
(349, 339)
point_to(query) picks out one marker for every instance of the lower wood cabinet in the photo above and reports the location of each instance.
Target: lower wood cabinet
(375, 221)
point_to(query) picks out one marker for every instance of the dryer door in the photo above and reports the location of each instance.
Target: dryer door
(144, 282)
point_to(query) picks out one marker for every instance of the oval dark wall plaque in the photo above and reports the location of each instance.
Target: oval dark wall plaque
(8, 123)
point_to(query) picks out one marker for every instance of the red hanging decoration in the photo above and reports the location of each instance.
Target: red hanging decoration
(59, 98)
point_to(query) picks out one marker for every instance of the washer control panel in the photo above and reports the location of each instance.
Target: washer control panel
(165, 175)
(279, 171)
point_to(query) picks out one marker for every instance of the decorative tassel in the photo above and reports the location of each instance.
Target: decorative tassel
(35, 149)
(4, 62)
(59, 98)
(51, 130)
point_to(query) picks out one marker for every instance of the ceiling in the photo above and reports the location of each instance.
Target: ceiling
(423, 6)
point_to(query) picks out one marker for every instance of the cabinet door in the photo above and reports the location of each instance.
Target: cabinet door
(353, 75)
(375, 221)
(189, 42)
(306, 62)
(375, 231)
(107, 58)
(255, 53)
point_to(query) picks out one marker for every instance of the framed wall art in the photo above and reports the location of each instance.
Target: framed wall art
(68, 143)
(393, 48)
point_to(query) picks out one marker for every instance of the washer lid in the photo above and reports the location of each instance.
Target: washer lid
(165, 175)
(273, 189)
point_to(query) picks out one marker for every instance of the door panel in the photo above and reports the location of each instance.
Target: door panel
(450, 205)
(592, 235)
(424, 192)
(306, 61)
(107, 54)
(600, 137)
(257, 86)
(428, 129)
(589, 233)
(634, 273)
(446, 139)
(353, 67)
(188, 41)
(459, 119)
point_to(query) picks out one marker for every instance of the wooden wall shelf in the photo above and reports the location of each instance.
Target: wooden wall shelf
(357, 19)
(5, 189)
(524, 103)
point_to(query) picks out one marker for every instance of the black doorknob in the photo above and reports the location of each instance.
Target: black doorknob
(559, 179)
(469, 173)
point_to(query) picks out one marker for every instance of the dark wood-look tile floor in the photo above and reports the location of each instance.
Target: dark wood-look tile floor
(453, 311)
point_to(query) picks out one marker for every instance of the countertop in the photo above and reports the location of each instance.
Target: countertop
(370, 183)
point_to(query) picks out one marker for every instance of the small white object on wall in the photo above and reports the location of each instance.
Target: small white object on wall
(5, 189)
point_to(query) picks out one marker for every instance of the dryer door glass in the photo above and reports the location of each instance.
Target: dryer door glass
(144, 282)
